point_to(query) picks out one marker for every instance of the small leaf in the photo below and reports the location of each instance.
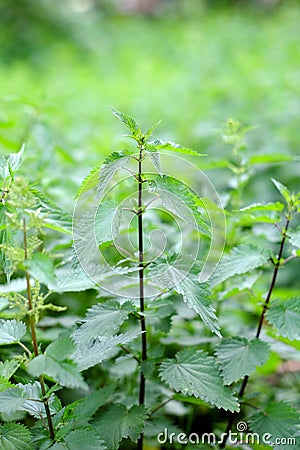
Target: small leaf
(159, 144)
(263, 207)
(8, 368)
(6, 238)
(103, 319)
(11, 163)
(114, 162)
(285, 317)
(193, 372)
(11, 331)
(155, 159)
(128, 121)
(118, 422)
(33, 404)
(279, 420)
(240, 357)
(102, 348)
(294, 237)
(90, 181)
(283, 190)
(14, 436)
(240, 260)
(41, 268)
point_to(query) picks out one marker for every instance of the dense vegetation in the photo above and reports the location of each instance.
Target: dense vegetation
(202, 253)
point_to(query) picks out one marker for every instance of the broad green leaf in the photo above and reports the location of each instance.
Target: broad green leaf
(11, 163)
(89, 405)
(33, 404)
(195, 294)
(282, 189)
(41, 268)
(54, 217)
(12, 399)
(64, 372)
(103, 319)
(114, 162)
(118, 422)
(14, 436)
(277, 206)
(11, 331)
(107, 222)
(193, 372)
(84, 438)
(128, 121)
(240, 357)
(90, 181)
(279, 420)
(180, 200)
(285, 317)
(159, 144)
(8, 368)
(240, 260)
(71, 280)
(102, 348)
(294, 237)
(61, 348)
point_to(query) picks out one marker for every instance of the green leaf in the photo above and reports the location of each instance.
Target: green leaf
(33, 404)
(11, 163)
(180, 200)
(193, 372)
(54, 217)
(159, 144)
(90, 181)
(11, 331)
(128, 121)
(195, 294)
(12, 400)
(89, 405)
(103, 319)
(14, 436)
(71, 280)
(240, 260)
(118, 422)
(240, 357)
(6, 238)
(282, 189)
(294, 237)
(155, 159)
(84, 438)
(102, 348)
(107, 222)
(285, 317)
(8, 368)
(271, 158)
(114, 162)
(61, 348)
(277, 206)
(279, 420)
(41, 268)
(4, 384)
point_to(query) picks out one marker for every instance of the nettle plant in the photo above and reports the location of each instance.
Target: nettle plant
(148, 359)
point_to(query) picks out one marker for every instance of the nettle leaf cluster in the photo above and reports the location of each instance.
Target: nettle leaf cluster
(160, 349)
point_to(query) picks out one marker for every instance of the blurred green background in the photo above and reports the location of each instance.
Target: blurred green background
(191, 63)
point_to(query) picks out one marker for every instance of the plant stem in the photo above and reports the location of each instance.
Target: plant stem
(141, 286)
(34, 338)
(259, 328)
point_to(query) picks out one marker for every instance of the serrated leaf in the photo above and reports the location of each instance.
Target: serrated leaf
(11, 331)
(277, 206)
(279, 420)
(4, 384)
(90, 181)
(33, 404)
(282, 189)
(54, 217)
(240, 260)
(88, 406)
(8, 368)
(130, 123)
(41, 268)
(6, 238)
(14, 436)
(11, 163)
(114, 162)
(103, 319)
(285, 317)
(180, 200)
(118, 422)
(195, 294)
(61, 348)
(82, 438)
(196, 373)
(240, 357)
(155, 159)
(65, 372)
(159, 144)
(71, 280)
(12, 400)
(107, 222)
(294, 237)
(90, 355)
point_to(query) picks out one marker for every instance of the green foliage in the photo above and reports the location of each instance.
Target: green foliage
(285, 317)
(11, 331)
(239, 357)
(14, 436)
(196, 373)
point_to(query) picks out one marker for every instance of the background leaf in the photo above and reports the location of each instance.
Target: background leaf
(14, 436)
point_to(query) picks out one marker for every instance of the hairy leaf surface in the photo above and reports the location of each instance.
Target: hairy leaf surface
(11, 331)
